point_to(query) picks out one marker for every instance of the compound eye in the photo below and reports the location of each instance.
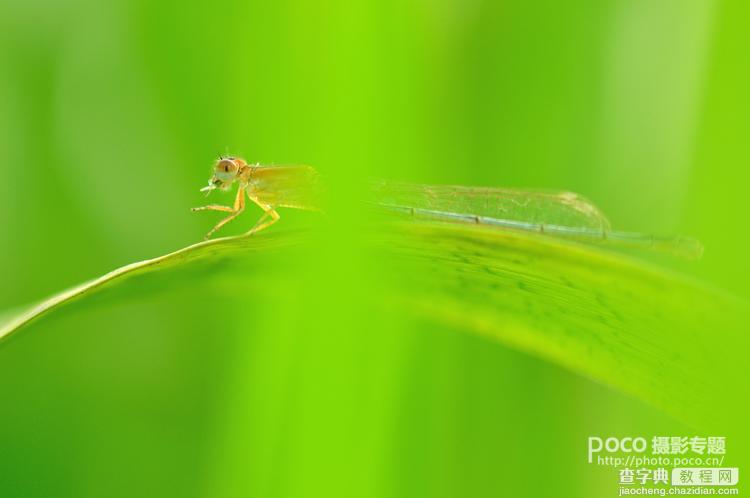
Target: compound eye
(226, 166)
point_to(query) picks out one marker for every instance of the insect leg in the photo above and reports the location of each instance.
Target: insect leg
(268, 211)
(239, 206)
(213, 207)
(260, 220)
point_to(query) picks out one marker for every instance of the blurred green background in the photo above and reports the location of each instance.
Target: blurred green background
(111, 114)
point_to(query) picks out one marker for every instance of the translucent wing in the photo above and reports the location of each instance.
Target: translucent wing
(286, 186)
(564, 209)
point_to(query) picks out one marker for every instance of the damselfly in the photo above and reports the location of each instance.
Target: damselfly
(558, 214)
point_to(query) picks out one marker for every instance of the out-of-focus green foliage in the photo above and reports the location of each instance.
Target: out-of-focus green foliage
(111, 115)
(615, 320)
